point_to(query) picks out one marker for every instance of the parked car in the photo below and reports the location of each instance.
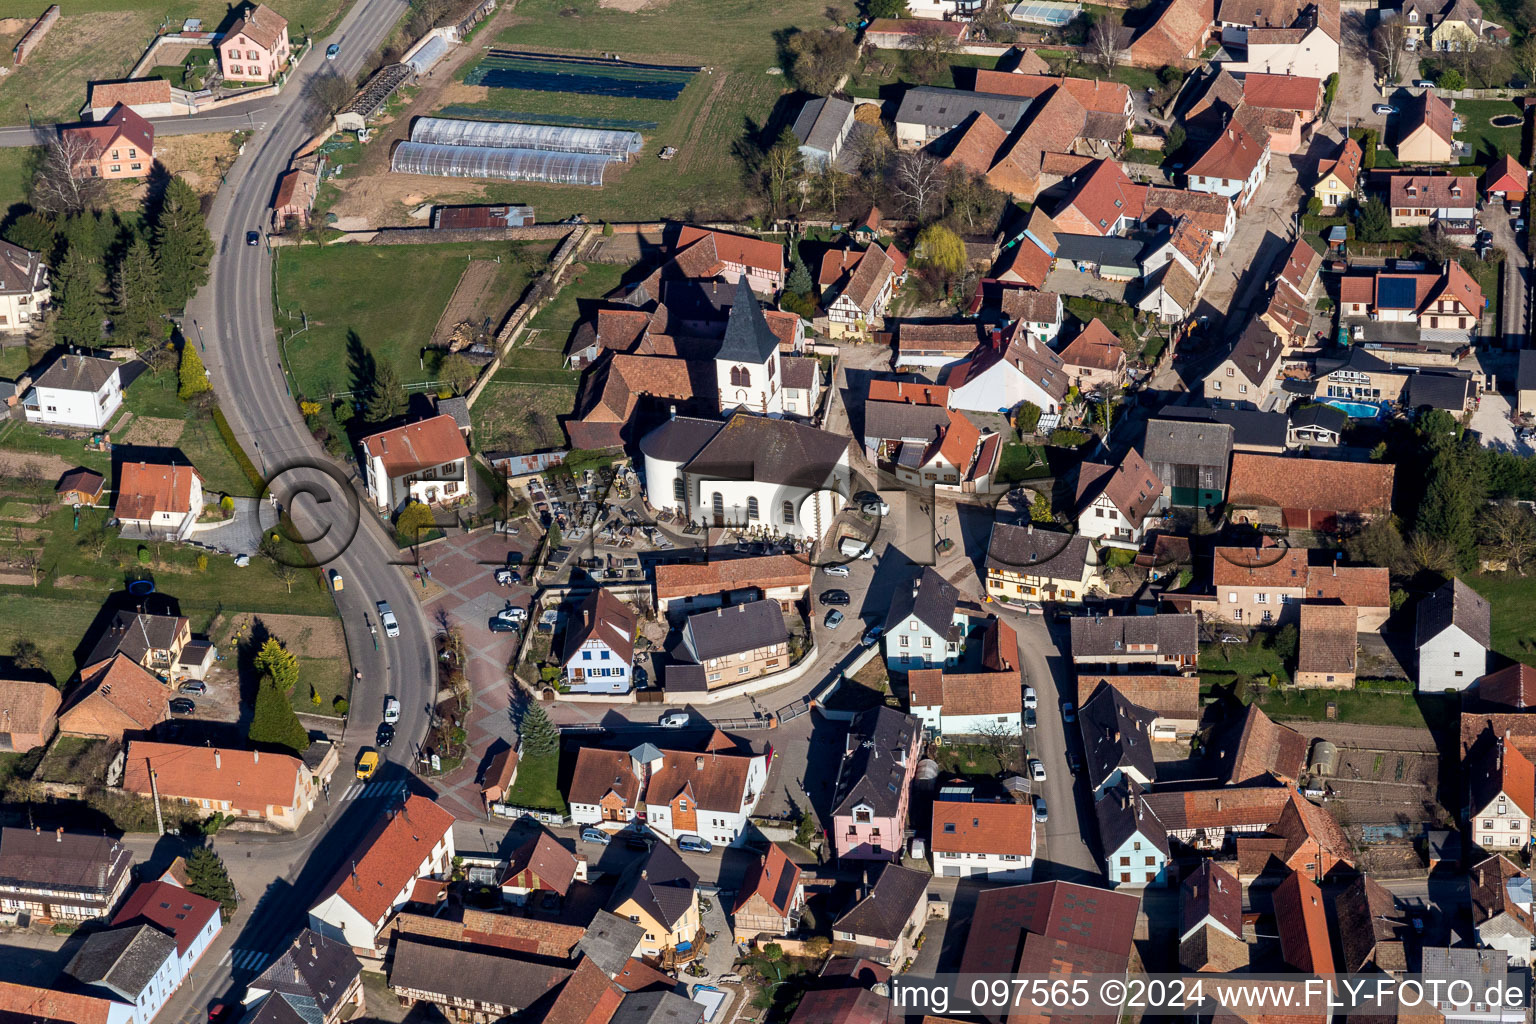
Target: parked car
(871, 636)
(1069, 712)
(835, 570)
(507, 577)
(391, 710)
(1029, 718)
(674, 720)
(835, 597)
(499, 624)
(182, 706)
(387, 619)
(1041, 814)
(1383, 108)
(1074, 763)
(1036, 769)
(332, 50)
(1030, 699)
(834, 619)
(1423, 83)
(386, 734)
(336, 581)
(253, 238)
(193, 686)
(596, 835)
(637, 840)
(694, 844)
(367, 764)
(223, 1013)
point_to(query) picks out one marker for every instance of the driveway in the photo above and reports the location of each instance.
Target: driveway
(1494, 427)
(241, 533)
(1514, 279)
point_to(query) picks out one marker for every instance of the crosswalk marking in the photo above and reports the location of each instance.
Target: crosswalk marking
(370, 790)
(252, 960)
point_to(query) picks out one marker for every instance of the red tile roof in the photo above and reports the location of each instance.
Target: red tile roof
(122, 123)
(982, 693)
(144, 489)
(1435, 191)
(261, 24)
(1283, 92)
(1505, 175)
(1100, 95)
(248, 779)
(1105, 195)
(1176, 35)
(119, 696)
(748, 252)
(1303, 925)
(1321, 484)
(134, 92)
(723, 574)
(775, 878)
(999, 829)
(1327, 639)
(1131, 486)
(599, 772)
(417, 446)
(385, 862)
(1095, 347)
(919, 393)
(925, 688)
(1233, 156)
(1512, 687)
(32, 1004)
(1345, 166)
(172, 909)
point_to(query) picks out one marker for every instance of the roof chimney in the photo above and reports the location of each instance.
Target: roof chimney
(698, 762)
(59, 836)
(255, 757)
(218, 762)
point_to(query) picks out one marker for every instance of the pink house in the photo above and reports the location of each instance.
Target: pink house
(255, 48)
(874, 785)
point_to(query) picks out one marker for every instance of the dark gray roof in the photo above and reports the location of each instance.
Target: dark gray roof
(77, 373)
(311, 975)
(1525, 379)
(661, 883)
(1318, 414)
(739, 628)
(124, 960)
(1250, 428)
(1175, 442)
(1115, 735)
(21, 270)
(1480, 969)
(1367, 918)
(930, 598)
(1447, 391)
(747, 335)
(1455, 603)
(68, 861)
(1122, 813)
(770, 451)
(280, 1011)
(1358, 359)
(798, 371)
(904, 421)
(679, 439)
(872, 771)
(821, 122)
(135, 634)
(1257, 352)
(459, 972)
(658, 1008)
(683, 677)
(458, 408)
(885, 911)
(1100, 635)
(1036, 552)
(610, 941)
(1103, 250)
(945, 108)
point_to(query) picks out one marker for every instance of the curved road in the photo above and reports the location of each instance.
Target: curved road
(232, 319)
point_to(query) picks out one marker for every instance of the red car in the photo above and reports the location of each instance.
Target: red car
(222, 1013)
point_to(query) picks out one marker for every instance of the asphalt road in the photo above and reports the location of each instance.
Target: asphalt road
(254, 115)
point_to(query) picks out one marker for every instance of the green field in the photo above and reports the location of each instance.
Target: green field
(1411, 710)
(99, 40)
(16, 175)
(1486, 141)
(1514, 613)
(57, 626)
(154, 396)
(879, 68)
(388, 297)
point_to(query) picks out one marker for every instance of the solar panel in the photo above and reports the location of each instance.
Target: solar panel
(1395, 293)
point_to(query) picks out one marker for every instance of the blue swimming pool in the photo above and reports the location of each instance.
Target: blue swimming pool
(1355, 410)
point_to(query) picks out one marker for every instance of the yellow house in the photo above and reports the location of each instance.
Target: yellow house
(1427, 134)
(1339, 179)
(1448, 24)
(660, 893)
(1026, 564)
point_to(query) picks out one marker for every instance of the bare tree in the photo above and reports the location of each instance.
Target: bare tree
(832, 186)
(918, 182)
(324, 96)
(931, 48)
(1104, 47)
(1388, 44)
(63, 183)
(286, 574)
(1508, 532)
(1431, 555)
(1524, 56)
(783, 171)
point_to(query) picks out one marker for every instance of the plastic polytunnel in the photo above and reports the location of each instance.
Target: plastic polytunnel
(446, 131)
(501, 164)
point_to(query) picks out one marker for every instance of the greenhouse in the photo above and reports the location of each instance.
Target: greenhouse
(499, 163)
(443, 131)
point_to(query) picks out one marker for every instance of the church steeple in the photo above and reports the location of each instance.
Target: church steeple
(748, 338)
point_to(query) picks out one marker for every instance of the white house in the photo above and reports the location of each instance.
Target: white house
(24, 289)
(136, 965)
(426, 461)
(599, 651)
(1185, 243)
(1306, 52)
(1234, 165)
(857, 288)
(414, 840)
(156, 501)
(982, 840)
(1113, 502)
(1501, 785)
(711, 793)
(923, 627)
(966, 703)
(78, 391)
(802, 385)
(747, 368)
(1452, 636)
(1022, 370)
(751, 471)
(1039, 313)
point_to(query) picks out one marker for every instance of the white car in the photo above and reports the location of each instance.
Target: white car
(388, 620)
(835, 570)
(674, 720)
(1030, 700)
(1036, 770)
(391, 710)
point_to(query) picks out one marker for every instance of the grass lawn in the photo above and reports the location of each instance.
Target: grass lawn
(537, 785)
(14, 361)
(1486, 141)
(16, 176)
(878, 68)
(1514, 621)
(154, 397)
(325, 676)
(1487, 277)
(389, 296)
(176, 74)
(1021, 462)
(77, 760)
(736, 38)
(1221, 663)
(1412, 710)
(522, 417)
(56, 625)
